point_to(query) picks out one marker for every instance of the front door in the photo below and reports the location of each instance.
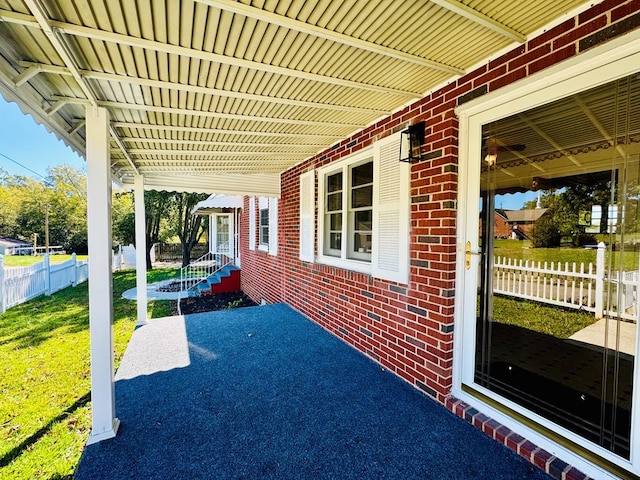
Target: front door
(223, 234)
(552, 264)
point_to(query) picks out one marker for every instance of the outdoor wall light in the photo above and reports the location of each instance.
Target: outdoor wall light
(490, 159)
(411, 140)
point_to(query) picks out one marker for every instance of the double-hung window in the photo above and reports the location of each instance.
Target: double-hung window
(362, 213)
(264, 225)
(348, 225)
(266, 222)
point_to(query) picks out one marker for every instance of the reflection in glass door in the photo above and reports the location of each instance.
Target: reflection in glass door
(559, 238)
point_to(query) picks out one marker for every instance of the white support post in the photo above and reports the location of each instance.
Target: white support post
(2, 296)
(141, 250)
(600, 281)
(46, 263)
(104, 421)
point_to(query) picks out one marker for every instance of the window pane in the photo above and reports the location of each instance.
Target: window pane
(336, 221)
(334, 202)
(362, 197)
(334, 182)
(362, 242)
(335, 241)
(363, 220)
(362, 174)
(264, 216)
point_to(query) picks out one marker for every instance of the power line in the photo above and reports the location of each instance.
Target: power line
(19, 164)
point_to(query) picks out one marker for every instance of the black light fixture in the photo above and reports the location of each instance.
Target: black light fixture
(411, 140)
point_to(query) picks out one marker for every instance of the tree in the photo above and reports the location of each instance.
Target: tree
(157, 208)
(189, 227)
(563, 215)
(123, 218)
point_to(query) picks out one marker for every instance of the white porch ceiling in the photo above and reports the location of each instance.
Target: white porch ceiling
(222, 96)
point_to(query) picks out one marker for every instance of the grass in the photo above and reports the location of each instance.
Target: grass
(540, 317)
(28, 260)
(522, 250)
(45, 376)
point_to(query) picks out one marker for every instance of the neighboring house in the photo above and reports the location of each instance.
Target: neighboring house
(13, 246)
(382, 253)
(515, 224)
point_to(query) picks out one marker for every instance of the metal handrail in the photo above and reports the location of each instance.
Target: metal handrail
(199, 270)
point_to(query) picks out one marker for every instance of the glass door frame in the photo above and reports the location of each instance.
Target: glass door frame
(231, 233)
(613, 60)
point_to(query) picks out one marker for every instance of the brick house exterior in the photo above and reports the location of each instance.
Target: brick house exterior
(409, 328)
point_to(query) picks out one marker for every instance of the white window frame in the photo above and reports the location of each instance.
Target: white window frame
(616, 59)
(344, 166)
(263, 206)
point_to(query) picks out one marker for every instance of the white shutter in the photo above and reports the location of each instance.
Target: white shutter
(391, 212)
(273, 226)
(307, 215)
(252, 223)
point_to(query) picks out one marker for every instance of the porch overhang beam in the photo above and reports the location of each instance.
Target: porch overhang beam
(481, 19)
(33, 68)
(121, 39)
(201, 130)
(199, 113)
(314, 30)
(43, 22)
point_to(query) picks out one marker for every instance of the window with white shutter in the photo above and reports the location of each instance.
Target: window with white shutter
(364, 212)
(263, 224)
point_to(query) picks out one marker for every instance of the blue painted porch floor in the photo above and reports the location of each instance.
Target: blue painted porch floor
(263, 393)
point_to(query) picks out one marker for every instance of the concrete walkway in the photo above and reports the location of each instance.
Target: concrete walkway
(594, 334)
(153, 293)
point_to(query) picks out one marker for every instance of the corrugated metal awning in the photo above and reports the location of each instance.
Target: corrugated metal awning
(219, 95)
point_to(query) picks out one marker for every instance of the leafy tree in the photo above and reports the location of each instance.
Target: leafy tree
(546, 232)
(157, 208)
(11, 196)
(189, 228)
(123, 218)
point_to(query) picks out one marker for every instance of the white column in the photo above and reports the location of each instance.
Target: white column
(141, 249)
(104, 422)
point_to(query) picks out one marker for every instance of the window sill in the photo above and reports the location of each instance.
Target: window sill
(353, 265)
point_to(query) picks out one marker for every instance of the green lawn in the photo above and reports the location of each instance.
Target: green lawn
(27, 260)
(45, 376)
(540, 317)
(522, 250)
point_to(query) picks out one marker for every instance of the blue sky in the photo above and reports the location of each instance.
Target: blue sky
(30, 145)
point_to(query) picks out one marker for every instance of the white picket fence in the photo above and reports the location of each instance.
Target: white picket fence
(570, 285)
(20, 284)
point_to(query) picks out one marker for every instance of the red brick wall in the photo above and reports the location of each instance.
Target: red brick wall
(409, 328)
(262, 275)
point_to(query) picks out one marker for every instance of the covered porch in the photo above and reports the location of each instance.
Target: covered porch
(262, 392)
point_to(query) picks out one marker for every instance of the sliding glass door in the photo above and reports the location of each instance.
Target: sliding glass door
(557, 262)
